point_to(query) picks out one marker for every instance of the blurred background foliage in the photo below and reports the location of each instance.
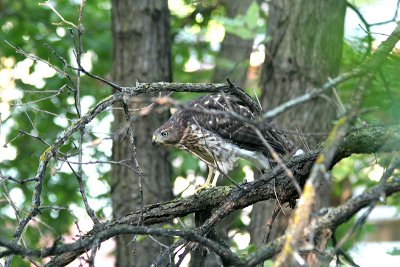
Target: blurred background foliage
(37, 100)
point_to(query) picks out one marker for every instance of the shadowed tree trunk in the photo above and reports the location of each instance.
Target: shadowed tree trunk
(304, 51)
(141, 52)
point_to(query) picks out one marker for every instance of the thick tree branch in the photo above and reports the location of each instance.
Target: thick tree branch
(86, 244)
(331, 220)
(366, 140)
(124, 93)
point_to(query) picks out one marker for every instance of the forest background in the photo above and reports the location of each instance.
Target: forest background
(209, 42)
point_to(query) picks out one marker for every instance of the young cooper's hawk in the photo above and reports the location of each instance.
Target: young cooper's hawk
(218, 140)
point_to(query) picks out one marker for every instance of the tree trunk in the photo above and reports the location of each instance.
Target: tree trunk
(141, 52)
(304, 51)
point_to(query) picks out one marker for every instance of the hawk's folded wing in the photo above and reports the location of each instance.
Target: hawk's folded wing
(230, 128)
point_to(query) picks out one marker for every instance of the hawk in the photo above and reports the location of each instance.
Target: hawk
(217, 138)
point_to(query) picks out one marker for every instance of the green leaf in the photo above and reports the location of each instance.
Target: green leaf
(252, 15)
(242, 33)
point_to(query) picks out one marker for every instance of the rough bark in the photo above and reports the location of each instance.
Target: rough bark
(141, 52)
(304, 51)
(325, 223)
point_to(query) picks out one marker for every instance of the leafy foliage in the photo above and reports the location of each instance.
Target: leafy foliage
(245, 26)
(45, 106)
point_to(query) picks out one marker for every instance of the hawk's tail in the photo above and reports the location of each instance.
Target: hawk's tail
(280, 143)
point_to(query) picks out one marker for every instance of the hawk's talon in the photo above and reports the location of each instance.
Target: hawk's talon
(208, 183)
(201, 187)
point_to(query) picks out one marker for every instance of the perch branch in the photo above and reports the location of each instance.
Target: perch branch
(364, 140)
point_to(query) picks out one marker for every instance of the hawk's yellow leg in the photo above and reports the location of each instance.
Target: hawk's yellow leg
(211, 170)
(215, 179)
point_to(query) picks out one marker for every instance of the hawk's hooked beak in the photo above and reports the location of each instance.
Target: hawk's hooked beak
(154, 140)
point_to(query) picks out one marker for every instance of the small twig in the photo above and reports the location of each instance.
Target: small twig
(387, 174)
(47, 3)
(393, 19)
(113, 85)
(36, 58)
(313, 93)
(268, 226)
(60, 209)
(22, 132)
(135, 163)
(21, 181)
(94, 248)
(367, 29)
(63, 61)
(29, 118)
(89, 210)
(278, 159)
(277, 199)
(19, 103)
(121, 163)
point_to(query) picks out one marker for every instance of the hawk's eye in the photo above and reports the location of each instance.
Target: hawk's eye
(164, 134)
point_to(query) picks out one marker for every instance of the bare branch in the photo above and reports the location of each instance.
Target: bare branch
(313, 93)
(227, 199)
(330, 220)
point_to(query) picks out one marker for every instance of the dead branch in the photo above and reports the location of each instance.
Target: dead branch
(366, 140)
(331, 220)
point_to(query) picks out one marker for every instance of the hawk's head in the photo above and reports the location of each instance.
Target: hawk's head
(164, 136)
(168, 134)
